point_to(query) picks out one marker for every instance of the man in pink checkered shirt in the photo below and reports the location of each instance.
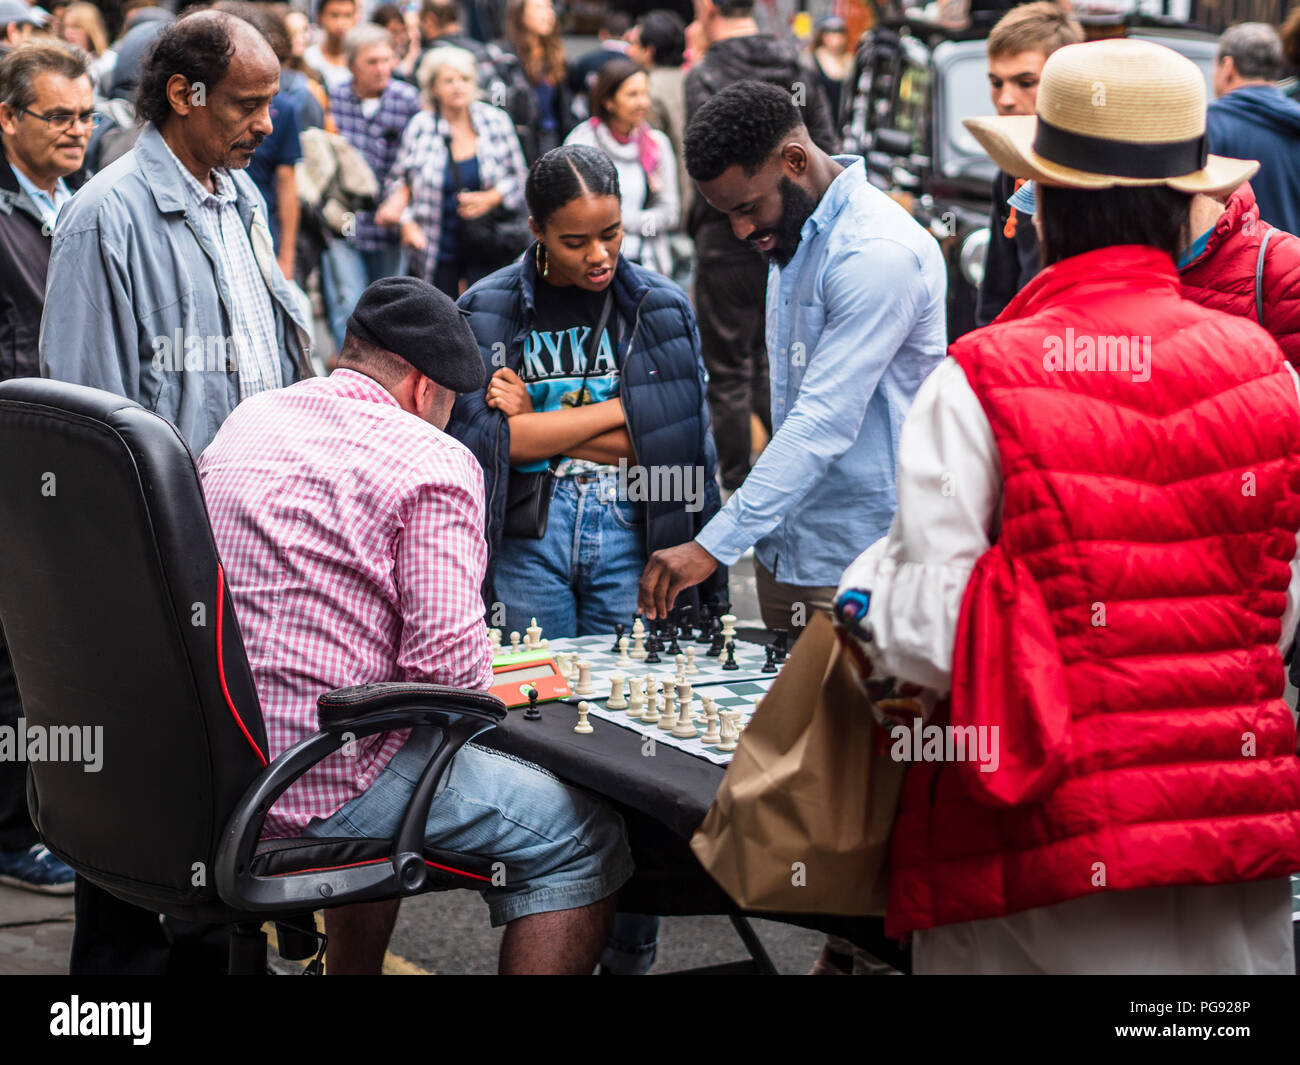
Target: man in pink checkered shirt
(351, 530)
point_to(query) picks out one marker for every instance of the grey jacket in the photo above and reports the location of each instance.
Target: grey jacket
(136, 303)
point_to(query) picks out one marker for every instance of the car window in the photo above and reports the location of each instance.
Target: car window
(912, 108)
(966, 95)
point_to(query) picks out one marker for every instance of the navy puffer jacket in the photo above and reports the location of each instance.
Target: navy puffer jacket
(662, 386)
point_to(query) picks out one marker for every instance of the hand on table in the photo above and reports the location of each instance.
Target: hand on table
(670, 572)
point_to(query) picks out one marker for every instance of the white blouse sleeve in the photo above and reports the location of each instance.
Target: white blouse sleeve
(949, 505)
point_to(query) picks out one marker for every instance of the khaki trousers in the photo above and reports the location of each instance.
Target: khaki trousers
(789, 606)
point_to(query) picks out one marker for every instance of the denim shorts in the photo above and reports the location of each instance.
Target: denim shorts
(561, 847)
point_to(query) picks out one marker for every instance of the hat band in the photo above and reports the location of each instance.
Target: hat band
(1100, 155)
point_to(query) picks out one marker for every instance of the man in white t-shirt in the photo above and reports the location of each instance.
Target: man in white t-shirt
(335, 18)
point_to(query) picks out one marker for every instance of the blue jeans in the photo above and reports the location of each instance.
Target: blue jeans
(561, 848)
(346, 272)
(579, 579)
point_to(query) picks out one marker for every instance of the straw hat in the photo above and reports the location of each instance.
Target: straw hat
(1117, 112)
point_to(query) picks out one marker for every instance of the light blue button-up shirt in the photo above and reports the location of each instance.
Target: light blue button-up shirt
(855, 322)
(48, 205)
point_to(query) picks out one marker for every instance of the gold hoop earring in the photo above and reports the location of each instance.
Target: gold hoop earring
(543, 267)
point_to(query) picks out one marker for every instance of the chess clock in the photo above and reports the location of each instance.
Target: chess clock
(515, 673)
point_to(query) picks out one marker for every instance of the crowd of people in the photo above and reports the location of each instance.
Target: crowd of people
(495, 239)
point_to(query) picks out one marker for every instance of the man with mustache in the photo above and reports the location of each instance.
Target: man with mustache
(168, 291)
(855, 322)
(163, 288)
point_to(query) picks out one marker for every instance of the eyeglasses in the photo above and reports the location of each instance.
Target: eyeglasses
(62, 121)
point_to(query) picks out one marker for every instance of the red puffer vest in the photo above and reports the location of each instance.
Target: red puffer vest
(1223, 275)
(1123, 629)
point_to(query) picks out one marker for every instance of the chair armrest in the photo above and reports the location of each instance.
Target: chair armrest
(346, 714)
(395, 705)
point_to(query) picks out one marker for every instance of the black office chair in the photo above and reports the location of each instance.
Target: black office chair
(115, 613)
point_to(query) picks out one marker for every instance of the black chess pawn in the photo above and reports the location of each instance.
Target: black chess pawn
(731, 663)
(618, 635)
(782, 644)
(532, 713)
(715, 643)
(675, 648)
(706, 625)
(652, 647)
(770, 665)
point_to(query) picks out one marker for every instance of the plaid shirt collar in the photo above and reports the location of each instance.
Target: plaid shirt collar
(222, 183)
(349, 384)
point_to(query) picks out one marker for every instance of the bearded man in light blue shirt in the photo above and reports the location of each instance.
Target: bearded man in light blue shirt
(856, 320)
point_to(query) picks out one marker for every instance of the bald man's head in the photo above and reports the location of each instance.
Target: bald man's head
(208, 84)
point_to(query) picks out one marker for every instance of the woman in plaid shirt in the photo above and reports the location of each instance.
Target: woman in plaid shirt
(460, 158)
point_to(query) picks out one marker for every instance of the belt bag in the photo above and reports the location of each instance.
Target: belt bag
(528, 503)
(528, 495)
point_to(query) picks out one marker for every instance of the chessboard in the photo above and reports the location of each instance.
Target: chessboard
(596, 650)
(736, 695)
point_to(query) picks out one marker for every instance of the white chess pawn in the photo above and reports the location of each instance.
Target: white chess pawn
(728, 627)
(690, 661)
(638, 644)
(616, 700)
(651, 715)
(534, 636)
(680, 661)
(624, 659)
(514, 643)
(711, 734)
(582, 726)
(494, 638)
(667, 711)
(585, 686)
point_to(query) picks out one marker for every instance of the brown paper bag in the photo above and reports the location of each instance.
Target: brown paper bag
(802, 820)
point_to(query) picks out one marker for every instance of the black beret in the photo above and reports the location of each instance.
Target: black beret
(416, 322)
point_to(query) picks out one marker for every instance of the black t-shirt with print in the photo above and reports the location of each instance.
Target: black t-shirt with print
(560, 356)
